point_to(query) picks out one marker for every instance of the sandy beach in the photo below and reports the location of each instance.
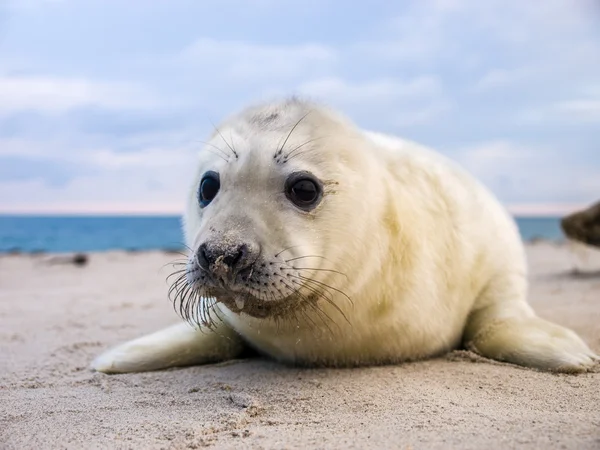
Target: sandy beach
(55, 318)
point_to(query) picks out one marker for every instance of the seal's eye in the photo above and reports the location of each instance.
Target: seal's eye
(303, 190)
(209, 187)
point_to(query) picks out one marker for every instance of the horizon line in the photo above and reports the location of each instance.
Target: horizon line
(517, 210)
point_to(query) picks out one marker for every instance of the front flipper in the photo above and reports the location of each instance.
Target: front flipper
(533, 342)
(176, 346)
(505, 328)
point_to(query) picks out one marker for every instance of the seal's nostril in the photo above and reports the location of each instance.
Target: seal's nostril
(242, 253)
(204, 256)
(236, 256)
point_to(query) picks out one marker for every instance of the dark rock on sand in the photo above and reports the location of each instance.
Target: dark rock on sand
(173, 250)
(583, 226)
(77, 259)
(80, 259)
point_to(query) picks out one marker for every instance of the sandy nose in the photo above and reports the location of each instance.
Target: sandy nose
(225, 259)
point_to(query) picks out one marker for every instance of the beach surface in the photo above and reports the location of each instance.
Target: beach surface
(55, 318)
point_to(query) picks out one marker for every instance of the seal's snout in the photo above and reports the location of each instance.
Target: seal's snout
(226, 259)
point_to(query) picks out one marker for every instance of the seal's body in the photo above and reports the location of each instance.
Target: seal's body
(318, 243)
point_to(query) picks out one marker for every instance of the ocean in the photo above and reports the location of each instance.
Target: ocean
(57, 234)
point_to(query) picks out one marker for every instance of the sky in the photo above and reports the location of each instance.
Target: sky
(104, 103)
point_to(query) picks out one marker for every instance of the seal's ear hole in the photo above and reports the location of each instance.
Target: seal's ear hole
(304, 190)
(209, 187)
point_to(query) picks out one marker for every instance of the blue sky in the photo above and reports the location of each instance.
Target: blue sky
(103, 102)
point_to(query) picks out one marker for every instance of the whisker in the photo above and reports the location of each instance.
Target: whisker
(299, 154)
(290, 153)
(216, 148)
(178, 272)
(232, 143)
(224, 140)
(303, 297)
(313, 305)
(323, 315)
(316, 270)
(325, 285)
(176, 262)
(328, 299)
(307, 256)
(216, 154)
(278, 152)
(286, 249)
(320, 313)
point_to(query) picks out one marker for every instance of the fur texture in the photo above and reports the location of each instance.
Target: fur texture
(405, 257)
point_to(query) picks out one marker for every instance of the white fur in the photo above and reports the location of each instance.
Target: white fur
(431, 259)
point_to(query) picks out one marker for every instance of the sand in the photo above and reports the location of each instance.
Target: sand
(55, 318)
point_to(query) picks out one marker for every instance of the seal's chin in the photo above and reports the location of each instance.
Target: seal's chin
(244, 302)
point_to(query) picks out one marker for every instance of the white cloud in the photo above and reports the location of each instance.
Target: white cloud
(584, 109)
(147, 158)
(520, 173)
(31, 4)
(56, 95)
(489, 154)
(244, 60)
(23, 147)
(382, 103)
(151, 180)
(578, 111)
(108, 193)
(406, 70)
(337, 89)
(422, 115)
(497, 78)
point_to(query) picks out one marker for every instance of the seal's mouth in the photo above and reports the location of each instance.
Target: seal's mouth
(267, 288)
(245, 303)
(261, 290)
(269, 301)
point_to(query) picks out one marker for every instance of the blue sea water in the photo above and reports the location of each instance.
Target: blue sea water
(86, 233)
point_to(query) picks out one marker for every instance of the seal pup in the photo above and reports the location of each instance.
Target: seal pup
(320, 244)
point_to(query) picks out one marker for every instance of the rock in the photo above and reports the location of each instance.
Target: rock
(80, 259)
(583, 226)
(77, 259)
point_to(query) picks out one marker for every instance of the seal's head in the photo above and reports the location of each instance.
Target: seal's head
(278, 205)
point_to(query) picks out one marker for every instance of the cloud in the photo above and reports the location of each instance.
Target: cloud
(117, 117)
(339, 90)
(101, 158)
(247, 61)
(421, 116)
(583, 109)
(93, 195)
(57, 95)
(382, 102)
(31, 4)
(578, 111)
(497, 78)
(526, 174)
(61, 168)
(98, 180)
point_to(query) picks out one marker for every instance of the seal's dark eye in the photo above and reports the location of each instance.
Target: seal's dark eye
(303, 190)
(209, 187)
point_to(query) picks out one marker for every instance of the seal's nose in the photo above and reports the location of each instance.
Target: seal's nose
(228, 258)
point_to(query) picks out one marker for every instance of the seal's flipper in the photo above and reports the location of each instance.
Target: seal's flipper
(533, 342)
(506, 329)
(175, 346)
